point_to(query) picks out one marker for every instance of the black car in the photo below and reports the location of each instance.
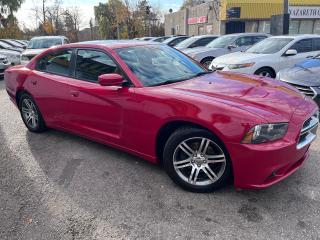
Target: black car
(305, 76)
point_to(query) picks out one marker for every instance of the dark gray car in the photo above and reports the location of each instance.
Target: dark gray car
(305, 76)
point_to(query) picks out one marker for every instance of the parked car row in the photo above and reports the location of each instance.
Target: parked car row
(250, 53)
(15, 52)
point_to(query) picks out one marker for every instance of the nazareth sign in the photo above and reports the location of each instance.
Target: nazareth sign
(304, 12)
(196, 20)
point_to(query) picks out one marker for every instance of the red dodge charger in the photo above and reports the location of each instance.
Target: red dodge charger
(153, 101)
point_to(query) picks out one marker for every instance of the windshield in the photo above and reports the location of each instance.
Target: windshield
(269, 45)
(39, 43)
(221, 42)
(158, 64)
(186, 43)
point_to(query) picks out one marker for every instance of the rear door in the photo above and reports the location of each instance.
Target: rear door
(48, 84)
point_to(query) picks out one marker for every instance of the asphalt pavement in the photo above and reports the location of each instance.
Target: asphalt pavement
(59, 186)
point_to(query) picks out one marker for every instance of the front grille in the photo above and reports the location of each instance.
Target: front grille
(308, 91)
(309, 131)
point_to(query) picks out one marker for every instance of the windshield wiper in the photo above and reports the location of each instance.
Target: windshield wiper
(201, 74)
(179, 80)
(167, 82)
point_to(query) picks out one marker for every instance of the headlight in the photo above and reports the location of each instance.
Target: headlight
(242, 65)
(265, 133)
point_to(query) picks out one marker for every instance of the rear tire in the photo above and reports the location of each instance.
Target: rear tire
(31, 114)
(196, 160)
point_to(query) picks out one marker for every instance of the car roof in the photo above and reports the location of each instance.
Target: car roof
(39, 37)
(204, 36)
(298, 36)
(113, 44)
(247, 34)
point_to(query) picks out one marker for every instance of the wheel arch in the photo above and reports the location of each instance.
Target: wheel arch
(169, 127)
(268, 67)
(19, 93)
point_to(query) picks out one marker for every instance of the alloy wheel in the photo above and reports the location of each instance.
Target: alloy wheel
(265, 74)
(30, 113)
(199, 161)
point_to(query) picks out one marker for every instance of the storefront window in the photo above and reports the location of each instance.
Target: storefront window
(306, 26)
(264, 26)
(294, 27)
(252, 26)
(316, 28)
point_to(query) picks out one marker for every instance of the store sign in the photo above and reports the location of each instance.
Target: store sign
(197, 20)
(304, 12)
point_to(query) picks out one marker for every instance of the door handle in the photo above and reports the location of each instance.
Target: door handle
(34, 82)
(309, 56)
(75, 93)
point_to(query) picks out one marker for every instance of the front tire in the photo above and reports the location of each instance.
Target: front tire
(207, 61)
(265, 72)
(196, 160)
(31, 114)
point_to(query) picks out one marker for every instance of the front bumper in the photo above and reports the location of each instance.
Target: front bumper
(262, 165)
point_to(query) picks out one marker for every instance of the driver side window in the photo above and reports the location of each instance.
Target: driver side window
(90, 64)
(243, 41)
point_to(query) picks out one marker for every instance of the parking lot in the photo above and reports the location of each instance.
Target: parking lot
(59, 186)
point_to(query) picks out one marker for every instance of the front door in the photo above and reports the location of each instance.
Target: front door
(97, 111)
(305, 49)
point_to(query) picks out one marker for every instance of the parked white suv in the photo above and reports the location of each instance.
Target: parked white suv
(224, 45)
(271, 55)
(39, 44)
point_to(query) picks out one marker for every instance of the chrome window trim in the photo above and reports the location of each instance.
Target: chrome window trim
(310, 137)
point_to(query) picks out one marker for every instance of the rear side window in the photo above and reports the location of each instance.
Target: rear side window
(91, 64)
(316, 44)
(202, 42)
(243, 41)
(56, 63)
(257, 39)
(302, 46)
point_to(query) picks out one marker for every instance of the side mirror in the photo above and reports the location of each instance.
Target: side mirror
(290, 52)
(112, 79)
(232, 46)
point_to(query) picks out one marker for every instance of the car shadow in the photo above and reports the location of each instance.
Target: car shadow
(114, 186)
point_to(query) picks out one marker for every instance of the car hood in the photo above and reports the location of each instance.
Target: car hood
(9, 52)
(33, 52)
(238, 57)
(305, 73)
(270, 99)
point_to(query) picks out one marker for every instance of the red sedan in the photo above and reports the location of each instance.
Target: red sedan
(153, 101)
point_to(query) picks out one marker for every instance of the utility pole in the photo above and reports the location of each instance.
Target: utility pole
(286, 17)
(43, 11)
(285, 6)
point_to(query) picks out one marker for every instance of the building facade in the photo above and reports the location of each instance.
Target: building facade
(232, 16)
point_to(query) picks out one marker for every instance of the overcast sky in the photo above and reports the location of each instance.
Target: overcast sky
(26, 16)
